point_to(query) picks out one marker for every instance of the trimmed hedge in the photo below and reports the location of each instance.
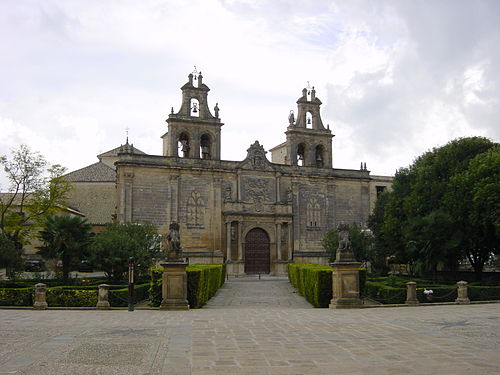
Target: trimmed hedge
(16, 296)
(484, 293)
(314, 282)
(203, 281)
(385, 294)
(70, 296)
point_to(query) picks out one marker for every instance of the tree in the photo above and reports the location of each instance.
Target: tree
(32, 196)
(9, 256)
(361, 242)
(474, 202)
(67, 238)
(429, 219)
(112, 248)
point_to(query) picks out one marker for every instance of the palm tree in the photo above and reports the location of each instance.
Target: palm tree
(65, 237)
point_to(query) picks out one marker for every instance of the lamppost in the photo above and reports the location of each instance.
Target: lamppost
(130, 284)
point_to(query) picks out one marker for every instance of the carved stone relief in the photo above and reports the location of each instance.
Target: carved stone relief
(259, 191)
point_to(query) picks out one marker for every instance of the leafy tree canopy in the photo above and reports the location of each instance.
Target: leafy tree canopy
(34, 194)
(112, 248)
(9, 256)
(443, 208)
(67, 238)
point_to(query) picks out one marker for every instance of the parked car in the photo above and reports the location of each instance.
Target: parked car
(85, 266)
(34, 265)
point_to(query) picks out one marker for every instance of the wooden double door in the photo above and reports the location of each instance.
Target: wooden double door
(257, 252)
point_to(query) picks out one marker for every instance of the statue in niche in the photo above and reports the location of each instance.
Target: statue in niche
(171, 243)
(289, 194)
(233, 233)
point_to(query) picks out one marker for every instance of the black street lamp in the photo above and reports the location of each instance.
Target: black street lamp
(130, 284)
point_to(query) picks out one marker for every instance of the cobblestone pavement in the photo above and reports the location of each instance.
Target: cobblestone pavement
(253, 327)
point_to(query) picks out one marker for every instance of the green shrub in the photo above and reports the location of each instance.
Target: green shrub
(16, 296)
(484, 293)
(203, 281)
(71, 297)
(312, 281)
(380, 292)
(118, 296)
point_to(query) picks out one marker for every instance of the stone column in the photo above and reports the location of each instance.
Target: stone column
(290, 241)
(462, 290)
(411, 293)
(174, 288)
(40, 297)
(228, 240)
(240, 242)
(103, 297)
(278, 242)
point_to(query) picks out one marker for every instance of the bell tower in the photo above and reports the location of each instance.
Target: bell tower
(308, 143)
(193, 132)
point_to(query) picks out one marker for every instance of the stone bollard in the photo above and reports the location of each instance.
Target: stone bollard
(462, 293)
(103, 302)
(40, 300)
(411, 293)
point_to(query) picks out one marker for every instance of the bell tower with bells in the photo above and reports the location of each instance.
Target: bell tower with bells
(193, 132)
(308, 142)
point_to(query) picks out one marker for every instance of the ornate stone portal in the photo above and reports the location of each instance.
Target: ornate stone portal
(345, 274)
(174, 288)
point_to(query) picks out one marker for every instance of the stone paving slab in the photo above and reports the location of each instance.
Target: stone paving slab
(244, 337)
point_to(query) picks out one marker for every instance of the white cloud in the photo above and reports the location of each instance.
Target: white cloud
(396, 78)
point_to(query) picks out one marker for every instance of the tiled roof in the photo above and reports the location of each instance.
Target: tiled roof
(98, 172)
(114, 152)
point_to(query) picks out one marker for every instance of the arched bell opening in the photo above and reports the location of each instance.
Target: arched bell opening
(206, 146)
(183, 145)
(194, 108)
(320, 156)
(309, 119)
(301, 154)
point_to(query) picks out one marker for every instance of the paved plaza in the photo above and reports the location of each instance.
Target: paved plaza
(253, 327)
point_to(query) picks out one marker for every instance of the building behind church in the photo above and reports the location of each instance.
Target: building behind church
(256, 215)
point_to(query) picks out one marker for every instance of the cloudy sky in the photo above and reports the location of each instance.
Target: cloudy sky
(396, 77)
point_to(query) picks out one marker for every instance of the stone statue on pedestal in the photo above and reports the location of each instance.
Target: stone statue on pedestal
(344, 251)
(171, 243)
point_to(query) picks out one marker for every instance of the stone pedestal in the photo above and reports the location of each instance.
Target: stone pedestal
(40, 293)
(174, 288)
(411, 293)
(345, 285)
(462, 297)
(235, 267)
(103, 297)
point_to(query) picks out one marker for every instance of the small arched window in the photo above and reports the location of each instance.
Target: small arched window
(320, 157)
(301, 154)
(194, 108)
(205, 147)
(183, 145)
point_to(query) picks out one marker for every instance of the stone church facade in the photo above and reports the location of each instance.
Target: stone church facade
(256, 215)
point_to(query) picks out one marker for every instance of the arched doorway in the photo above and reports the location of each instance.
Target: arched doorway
(257, 253)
